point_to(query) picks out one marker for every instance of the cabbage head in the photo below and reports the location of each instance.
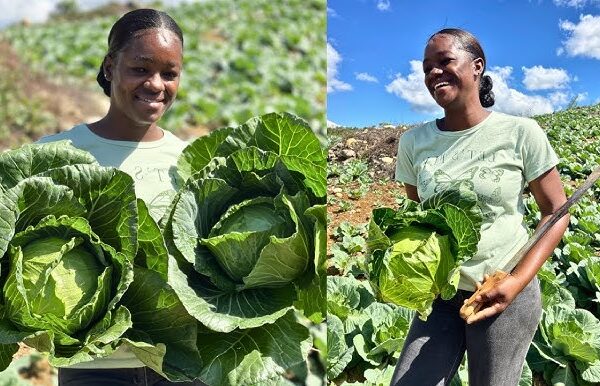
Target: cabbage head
(62, 280)
(72, 232)
(246, 236)
(415, 253)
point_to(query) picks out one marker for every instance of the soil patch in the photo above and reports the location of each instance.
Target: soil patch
(66, 103)
(377, 146)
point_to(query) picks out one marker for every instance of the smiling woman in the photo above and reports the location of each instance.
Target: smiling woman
(140, 73)
(495, 156)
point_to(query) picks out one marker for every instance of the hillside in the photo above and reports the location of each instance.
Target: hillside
(360, 178)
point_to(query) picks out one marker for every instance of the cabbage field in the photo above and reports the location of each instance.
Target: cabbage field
(241, 59)
(366, 335)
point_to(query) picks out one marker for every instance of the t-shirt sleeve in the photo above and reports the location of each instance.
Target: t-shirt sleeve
(405, 170)
(536, 152)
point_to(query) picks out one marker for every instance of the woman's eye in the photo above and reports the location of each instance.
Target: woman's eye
(140, 70)
(446, 61)
(170, 75)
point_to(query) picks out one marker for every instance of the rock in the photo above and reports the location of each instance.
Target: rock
(350, 142)
(348, 153)
(337, 190)
(387, 160)
(339, 195)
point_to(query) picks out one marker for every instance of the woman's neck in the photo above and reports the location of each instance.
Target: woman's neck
(110, 127)
(457, 120)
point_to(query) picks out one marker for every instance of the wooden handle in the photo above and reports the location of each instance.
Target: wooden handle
(471, 307)
(541, 231)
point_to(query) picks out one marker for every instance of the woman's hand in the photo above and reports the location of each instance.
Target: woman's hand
(497, 298)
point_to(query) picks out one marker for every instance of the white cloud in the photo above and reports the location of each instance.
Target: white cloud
(412, 89)
(366, 77)
(333, 83)
(331, 124)
(584, 38)
(383, 5)
(331, 12)
(559, 98)
(582, 97)
(570, 3)
(511, 101)
(541, 78)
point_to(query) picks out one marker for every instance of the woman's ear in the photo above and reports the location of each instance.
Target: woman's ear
(107, 66)
(478, 66)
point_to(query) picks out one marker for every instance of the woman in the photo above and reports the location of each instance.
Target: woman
(497, 155)
(140, 73)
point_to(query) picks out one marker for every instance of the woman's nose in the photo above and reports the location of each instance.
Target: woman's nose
(435, 71)
(154, 82)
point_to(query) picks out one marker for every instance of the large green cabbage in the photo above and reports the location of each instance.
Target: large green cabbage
(246, 235)
(415, 253)
(71, 233)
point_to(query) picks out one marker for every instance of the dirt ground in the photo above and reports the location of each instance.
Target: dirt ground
(68, 103)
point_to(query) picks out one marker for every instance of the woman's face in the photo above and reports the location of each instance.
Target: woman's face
(451, 75)
(145, 75)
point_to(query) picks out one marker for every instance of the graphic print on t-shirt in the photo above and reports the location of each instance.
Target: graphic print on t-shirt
(443, 181)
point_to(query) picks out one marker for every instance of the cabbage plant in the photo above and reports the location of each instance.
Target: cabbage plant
(567, 346)
(246, 235)
(72, 232)
(415, 253)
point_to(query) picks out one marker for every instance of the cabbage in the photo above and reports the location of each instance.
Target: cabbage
(71, 233)
(246, 237)
(415, 253)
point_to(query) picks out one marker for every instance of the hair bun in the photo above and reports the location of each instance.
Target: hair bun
(486, 95)
(102, 81)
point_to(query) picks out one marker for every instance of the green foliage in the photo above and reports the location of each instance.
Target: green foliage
(22, 116)
(349, 248)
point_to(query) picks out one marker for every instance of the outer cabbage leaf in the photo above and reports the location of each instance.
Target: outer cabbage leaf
(339, 354)
(279, 133)
(30, 160)
(571, 338)
(384, 333)
(253, 356)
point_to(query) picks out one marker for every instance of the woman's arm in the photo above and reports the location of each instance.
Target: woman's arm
(411, 192)
(549, 195)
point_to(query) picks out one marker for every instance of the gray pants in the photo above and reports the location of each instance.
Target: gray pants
(496, 346)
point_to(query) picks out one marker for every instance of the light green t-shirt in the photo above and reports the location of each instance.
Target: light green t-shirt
(498, 156)
(152, 167)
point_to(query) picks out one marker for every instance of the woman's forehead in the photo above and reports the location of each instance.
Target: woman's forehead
(147, 44)
(442, 44)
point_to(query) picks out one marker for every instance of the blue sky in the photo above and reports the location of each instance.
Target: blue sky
(540, 54)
